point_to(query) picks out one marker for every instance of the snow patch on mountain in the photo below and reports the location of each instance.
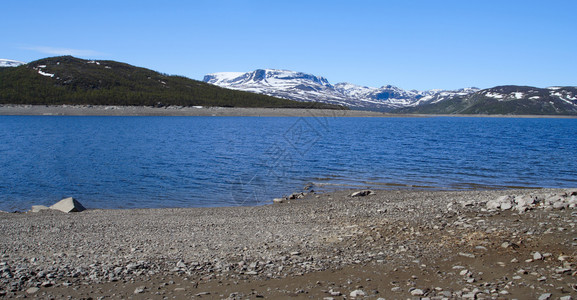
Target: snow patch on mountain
(10, 63)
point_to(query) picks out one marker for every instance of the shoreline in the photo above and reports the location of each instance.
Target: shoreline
(394, 244)
(111, 110)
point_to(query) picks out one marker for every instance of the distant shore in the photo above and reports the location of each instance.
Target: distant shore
(111, 110)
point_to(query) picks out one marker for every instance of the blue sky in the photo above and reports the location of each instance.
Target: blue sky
(411, 44)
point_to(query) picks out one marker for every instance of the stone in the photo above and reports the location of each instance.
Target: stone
(358, 293)
(562, 270)
(362, 193)
(560, 205)
(468, 255)
(68, 205)
(417, 292)
(537, 256)
(278, 200)
(524, 200)
(180, 264)
(545, 296)
(296, 196)
(507, 245)
(139, 290)
(38, 208)
(506, 205)
(493, 205)
(32, 290)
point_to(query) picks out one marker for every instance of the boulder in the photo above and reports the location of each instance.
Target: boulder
(68, 205)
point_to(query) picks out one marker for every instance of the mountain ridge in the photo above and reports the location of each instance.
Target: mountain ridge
(307, 87)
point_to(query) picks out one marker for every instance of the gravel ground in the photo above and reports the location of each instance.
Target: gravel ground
(502, 244)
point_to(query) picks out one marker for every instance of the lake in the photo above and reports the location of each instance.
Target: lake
(155, 162)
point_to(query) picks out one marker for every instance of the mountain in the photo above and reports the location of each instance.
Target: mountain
(280, 83)
(508, 99)
(70, 80)
(10, 63)
(498, 100)
(307, 87)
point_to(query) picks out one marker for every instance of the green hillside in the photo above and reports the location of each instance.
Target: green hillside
(74, 81)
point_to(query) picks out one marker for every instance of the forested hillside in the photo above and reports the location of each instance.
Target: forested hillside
(70, 80)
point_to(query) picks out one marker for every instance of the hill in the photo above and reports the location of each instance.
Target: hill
(74, 81)
(506, 100)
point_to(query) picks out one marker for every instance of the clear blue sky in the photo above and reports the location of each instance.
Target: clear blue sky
(411, 44)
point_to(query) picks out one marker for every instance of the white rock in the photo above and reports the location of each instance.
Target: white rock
(506, 205)
(493, 204)
(524, 200)
(537, 256)
(358, 293)
(560, 204)
(468, 255)
(68, 205)
(362, 193)
(278, 200)
(32, 290)
(180, 264)
(417, 292)
(545, 296)
(38, 208)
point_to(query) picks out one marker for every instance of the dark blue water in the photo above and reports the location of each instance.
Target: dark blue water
(130, 162)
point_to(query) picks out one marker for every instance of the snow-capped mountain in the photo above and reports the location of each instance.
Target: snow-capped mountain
(507, 99)
(10, 63)
(307, 87)
(280, 83)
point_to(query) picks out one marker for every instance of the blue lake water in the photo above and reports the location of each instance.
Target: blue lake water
(151, 162)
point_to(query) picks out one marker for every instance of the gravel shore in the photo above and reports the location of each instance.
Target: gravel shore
(96, 110)
(501, 244)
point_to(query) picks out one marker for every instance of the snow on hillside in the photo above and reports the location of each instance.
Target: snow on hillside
(10, 63)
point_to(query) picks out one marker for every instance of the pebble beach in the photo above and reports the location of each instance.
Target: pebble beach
(497, 244)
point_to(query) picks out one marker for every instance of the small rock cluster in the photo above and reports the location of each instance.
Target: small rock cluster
(522, 203)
